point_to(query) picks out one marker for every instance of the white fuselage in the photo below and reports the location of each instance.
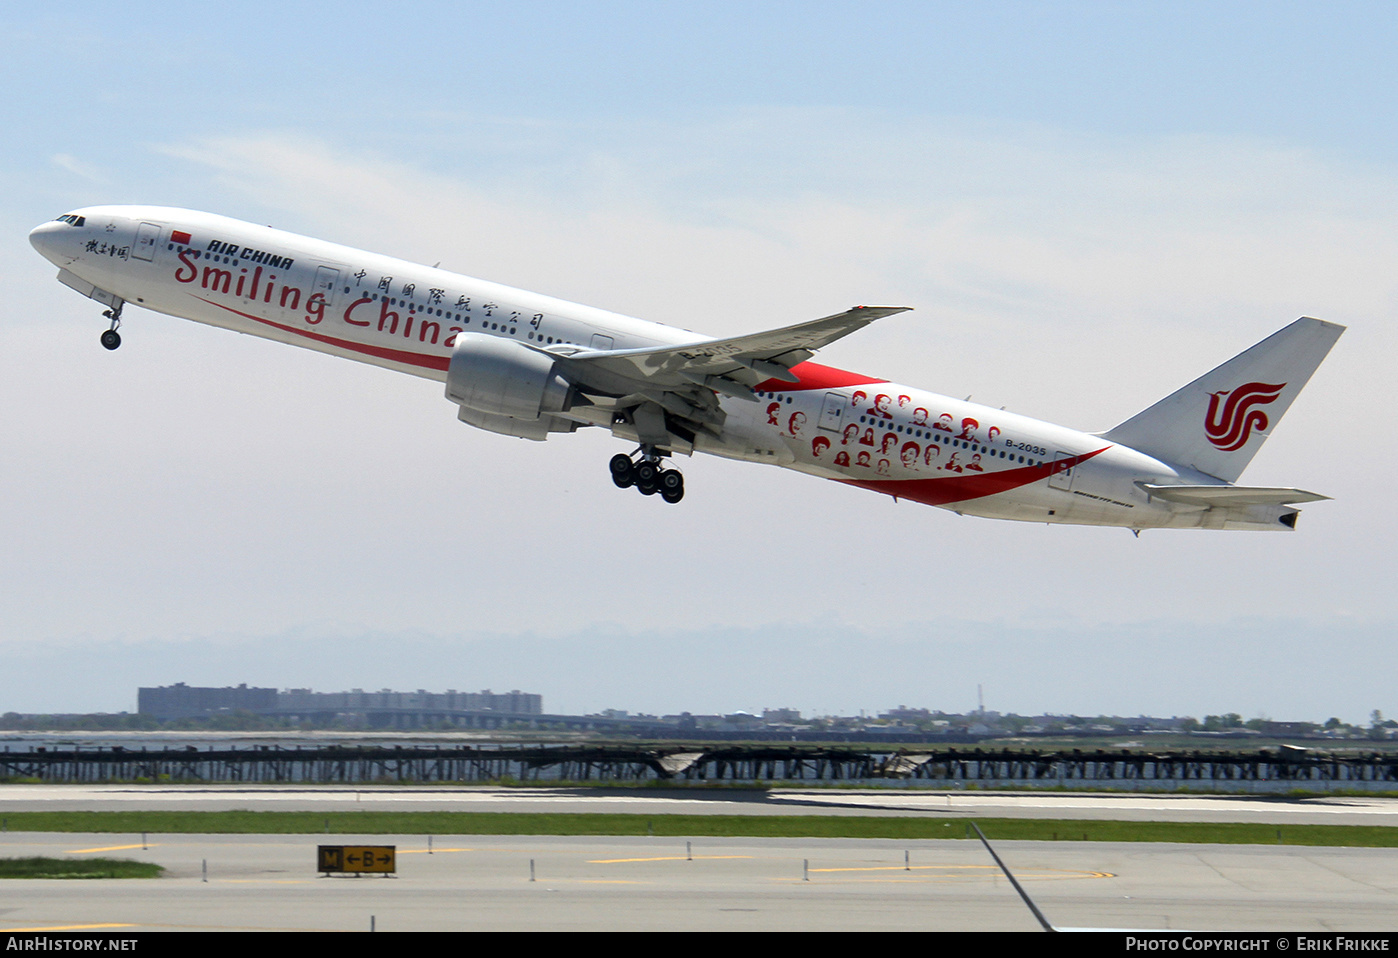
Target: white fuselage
(895, 439)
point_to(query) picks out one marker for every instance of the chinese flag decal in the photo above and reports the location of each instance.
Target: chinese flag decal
(179, 236)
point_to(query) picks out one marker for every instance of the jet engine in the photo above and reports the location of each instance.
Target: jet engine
(506, 387)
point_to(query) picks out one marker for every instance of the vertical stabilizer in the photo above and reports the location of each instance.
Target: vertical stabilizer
(1217, 423)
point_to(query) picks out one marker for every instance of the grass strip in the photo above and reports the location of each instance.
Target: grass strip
(729, 826)
(77, 868)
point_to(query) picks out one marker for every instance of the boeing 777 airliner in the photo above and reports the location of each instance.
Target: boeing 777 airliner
(529, 365)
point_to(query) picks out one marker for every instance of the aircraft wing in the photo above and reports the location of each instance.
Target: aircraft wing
(742, 360)
(667, 391)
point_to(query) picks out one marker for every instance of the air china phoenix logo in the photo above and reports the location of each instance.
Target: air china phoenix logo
(1230, 422)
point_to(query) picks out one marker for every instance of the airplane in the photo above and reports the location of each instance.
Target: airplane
(528, 365)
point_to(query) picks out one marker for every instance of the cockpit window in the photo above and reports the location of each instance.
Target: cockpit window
(71, 219)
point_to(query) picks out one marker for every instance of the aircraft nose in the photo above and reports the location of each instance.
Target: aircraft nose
(48, 239)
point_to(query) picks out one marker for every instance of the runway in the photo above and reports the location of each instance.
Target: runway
(481, 883)
(258, 883)
(718, 801)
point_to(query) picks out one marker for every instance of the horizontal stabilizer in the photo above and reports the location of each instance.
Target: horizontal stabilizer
(1231, 495)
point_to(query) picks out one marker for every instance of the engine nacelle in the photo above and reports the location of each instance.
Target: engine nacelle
(500, 377)
(535, 429)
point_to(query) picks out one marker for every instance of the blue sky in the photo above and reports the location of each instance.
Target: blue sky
(1294, 72)
(1087, 205)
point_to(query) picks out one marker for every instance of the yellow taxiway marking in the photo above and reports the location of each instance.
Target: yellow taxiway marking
(69, 928)
(881, 881)
(899, 868)
(667, 858)
(109, 848)
(435, 851)
(980, 870)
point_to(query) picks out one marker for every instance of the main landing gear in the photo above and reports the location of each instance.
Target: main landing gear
(111, 339)
(648, 476)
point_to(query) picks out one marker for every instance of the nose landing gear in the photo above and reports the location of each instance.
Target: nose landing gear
(648, 476)
(111, 339)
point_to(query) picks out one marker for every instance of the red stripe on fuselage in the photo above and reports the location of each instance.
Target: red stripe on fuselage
(380, 352)
(816, 376)
(961, 487)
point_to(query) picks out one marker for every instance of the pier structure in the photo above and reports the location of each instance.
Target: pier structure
(698, 762)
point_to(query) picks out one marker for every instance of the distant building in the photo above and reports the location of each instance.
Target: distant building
(905, 714)
(187, 701)
(385, 708)
(357, 700)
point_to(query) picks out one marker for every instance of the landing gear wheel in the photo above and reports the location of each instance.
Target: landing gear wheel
(623, 473)
(643, 470)
(671, 486)
(111, 339)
